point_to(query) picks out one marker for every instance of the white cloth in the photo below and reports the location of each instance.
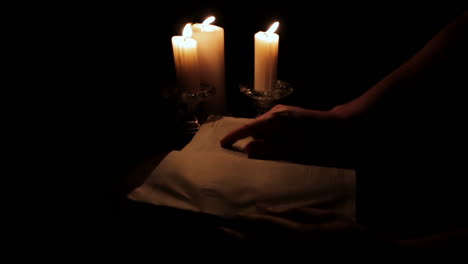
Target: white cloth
(207, 178)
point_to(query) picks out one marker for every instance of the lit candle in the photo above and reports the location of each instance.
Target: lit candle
(186, 60)
(266, 58)
(210, 40)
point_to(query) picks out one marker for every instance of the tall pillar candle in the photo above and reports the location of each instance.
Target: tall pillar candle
(210, 41)
(266, 58)
(186, 61)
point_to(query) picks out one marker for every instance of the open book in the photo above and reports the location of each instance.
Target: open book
(207, 178)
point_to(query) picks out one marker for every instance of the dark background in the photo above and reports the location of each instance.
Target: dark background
(114, 61)
(84, 105)
(330, 54)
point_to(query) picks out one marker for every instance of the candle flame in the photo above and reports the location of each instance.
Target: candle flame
(187, 32)
(273, 28)
(208, 21)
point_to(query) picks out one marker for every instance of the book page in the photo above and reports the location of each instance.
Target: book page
(210, 133)
(207, 178)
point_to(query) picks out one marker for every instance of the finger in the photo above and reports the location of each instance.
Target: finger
(249, 129)
(232, 233)
(262, 226)
(272, 220)
(237, 134)
(315, 219)
(302, 214)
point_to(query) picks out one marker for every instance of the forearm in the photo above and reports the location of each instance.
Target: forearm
(455, 239)
(454, 242)
(440, 52)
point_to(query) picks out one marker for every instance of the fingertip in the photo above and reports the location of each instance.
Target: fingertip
(233, 233)
(235, 135)
(225, 142)
(222, 143)
(262, 208)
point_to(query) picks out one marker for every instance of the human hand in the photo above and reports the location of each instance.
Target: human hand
(312, 229)
(285, 131)
(271, 224)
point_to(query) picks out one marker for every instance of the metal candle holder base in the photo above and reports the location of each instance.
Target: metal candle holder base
(189, 113)
(265, 100)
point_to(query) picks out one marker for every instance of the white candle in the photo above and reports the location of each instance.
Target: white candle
(210, 39)
(266, 58)
(186, 60)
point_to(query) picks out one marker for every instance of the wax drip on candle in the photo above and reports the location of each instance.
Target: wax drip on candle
(272, 28)
(187, 32)
(207, 21)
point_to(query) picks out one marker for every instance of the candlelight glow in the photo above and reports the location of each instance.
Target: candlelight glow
(187, 32)
(208, 21)
(266, 59)
(210, 47)
(273, 27)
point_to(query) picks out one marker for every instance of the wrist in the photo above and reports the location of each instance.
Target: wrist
(341, 112)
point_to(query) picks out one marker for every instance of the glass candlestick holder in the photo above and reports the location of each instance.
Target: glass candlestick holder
(265, 100)
(189, 107)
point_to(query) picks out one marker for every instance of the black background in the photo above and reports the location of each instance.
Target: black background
(111, 62)
(330, 54)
